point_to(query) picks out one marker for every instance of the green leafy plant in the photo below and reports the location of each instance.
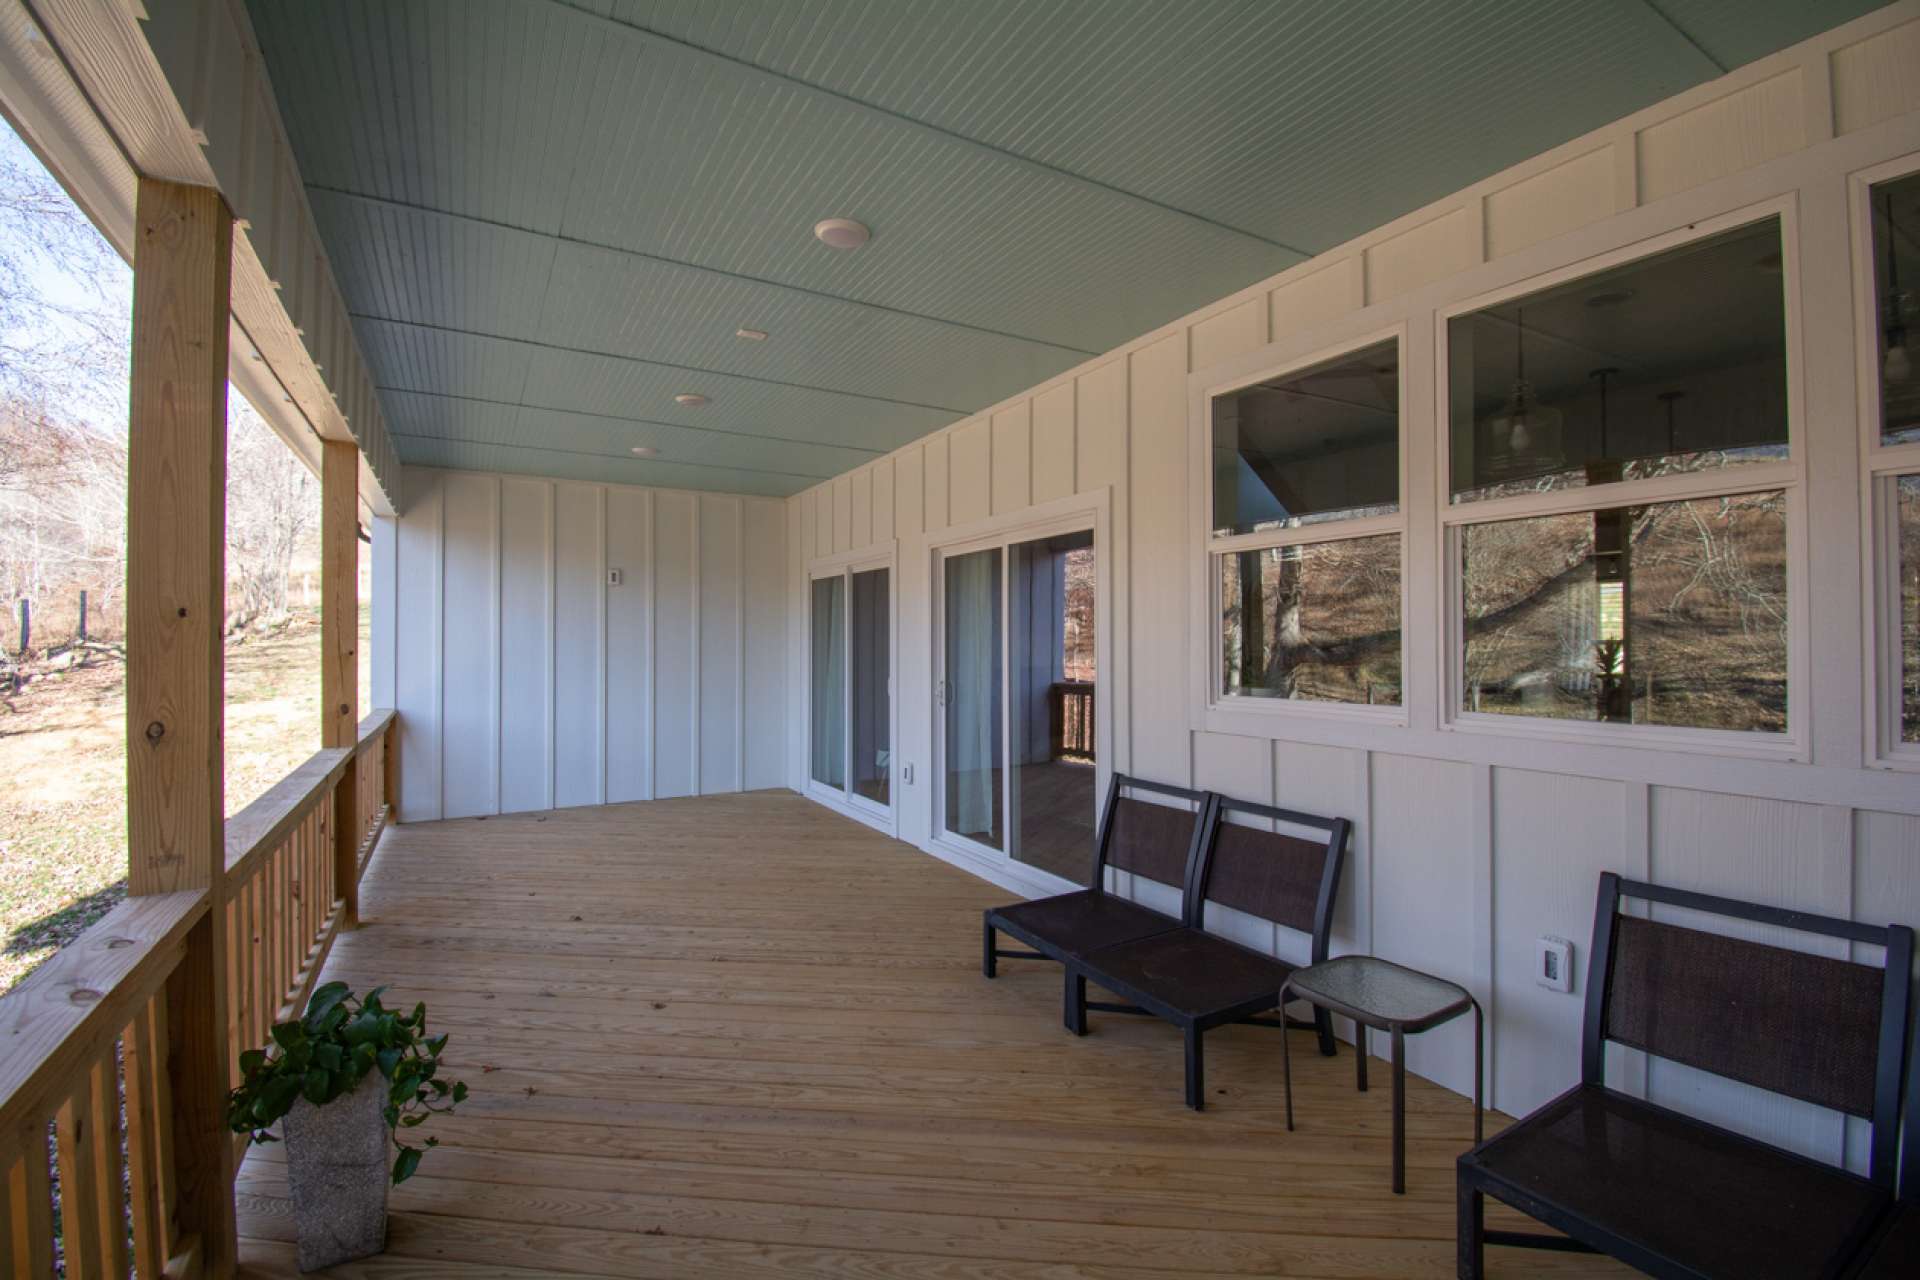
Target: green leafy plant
(327, 1053)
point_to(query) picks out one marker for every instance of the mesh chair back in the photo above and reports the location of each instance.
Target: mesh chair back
(1281, 876)
(1817, 1028)
(1156, 838)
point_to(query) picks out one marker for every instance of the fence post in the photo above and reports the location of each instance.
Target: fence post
(26, 627)
(83, 615)
(176, 585)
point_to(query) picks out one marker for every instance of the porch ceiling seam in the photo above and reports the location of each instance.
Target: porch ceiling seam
(594, 453)
(684, 47)
(643, 422)
(658, 364)
(561, 238)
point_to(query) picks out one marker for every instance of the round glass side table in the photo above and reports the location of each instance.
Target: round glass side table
(1387, 997)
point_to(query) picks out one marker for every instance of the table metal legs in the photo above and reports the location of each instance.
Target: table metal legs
(1286, 1061)
(1399, 1112)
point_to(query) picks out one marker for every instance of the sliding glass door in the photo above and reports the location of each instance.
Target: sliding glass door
(850, 680)
(1016, 695)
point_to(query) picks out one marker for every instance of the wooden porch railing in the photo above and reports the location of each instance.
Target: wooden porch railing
(1070, 719)
(87, 1126)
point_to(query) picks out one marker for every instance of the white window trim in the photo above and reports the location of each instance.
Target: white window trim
(1881, 465)
(1090, 510)
(1789, 476)
(844, 564)
(1212, 708)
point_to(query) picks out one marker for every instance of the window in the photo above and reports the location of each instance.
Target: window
(1621, 489)
(1674, 363)
(850, 674)
(1669, 613)
(1907, 526)
(1896, 276)
(1893, 455)
(1306, 542)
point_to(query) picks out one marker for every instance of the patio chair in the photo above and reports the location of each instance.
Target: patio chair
(1669, 1193)
(1160, 842)
(1199, 980)
(1894, 1251)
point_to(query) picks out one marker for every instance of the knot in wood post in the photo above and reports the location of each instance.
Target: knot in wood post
(156, 731)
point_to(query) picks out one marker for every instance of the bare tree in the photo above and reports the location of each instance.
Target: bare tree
(273, 511)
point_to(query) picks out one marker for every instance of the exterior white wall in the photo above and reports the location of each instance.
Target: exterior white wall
(1467, 847)
(524, 681)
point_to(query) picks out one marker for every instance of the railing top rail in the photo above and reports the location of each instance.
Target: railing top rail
(265, 823)
(375, 723)
(70, 1009)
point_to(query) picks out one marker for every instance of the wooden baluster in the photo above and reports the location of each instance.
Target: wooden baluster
(143, 1174)
(162, 1136)
(79, 1184)
(26, 1220)
(111, 1222)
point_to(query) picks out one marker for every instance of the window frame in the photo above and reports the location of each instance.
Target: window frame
(1788, 476)
(1214, 709)
(1881, 467)
(844, 565)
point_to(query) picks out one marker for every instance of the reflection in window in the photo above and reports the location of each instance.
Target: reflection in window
(829, 676)
(1907, 520)
(1671, 613)
(872, 725)
(1319, 444)
(1672, 363)
(1896, 275)
(1319, 621)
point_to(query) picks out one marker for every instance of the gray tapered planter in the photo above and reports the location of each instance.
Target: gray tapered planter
(337, 1171)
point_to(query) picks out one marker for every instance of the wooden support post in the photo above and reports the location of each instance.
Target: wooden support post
(339, 655)
(176, 593)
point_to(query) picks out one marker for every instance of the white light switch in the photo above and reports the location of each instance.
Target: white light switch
(613, 577)
(1553, 964)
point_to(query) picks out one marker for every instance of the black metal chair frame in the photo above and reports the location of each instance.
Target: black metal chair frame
(996, 922)
(1142, 1001)
(1908, 1204)
(1582, 1234)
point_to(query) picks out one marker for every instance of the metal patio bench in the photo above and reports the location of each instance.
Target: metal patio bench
(1160, 842)
(1894, 1251)
(1669, 1193)
(1198, 980)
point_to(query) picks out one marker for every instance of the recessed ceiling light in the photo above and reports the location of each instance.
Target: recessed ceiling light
(841, 233)
(644, 451)
(692, 399)
(751, 335)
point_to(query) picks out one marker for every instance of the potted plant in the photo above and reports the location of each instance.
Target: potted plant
(343, 1081)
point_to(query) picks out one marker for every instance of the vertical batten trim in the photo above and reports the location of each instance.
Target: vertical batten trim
(652, 632)
(1816, 96)
(740, 636)
(693, 614)
(499, 639)
(1483, 892)
(600, 599)
(1636, 860)
(553, 645)
(440, 650)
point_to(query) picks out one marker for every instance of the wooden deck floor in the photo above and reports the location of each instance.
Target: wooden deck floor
(743, 1037)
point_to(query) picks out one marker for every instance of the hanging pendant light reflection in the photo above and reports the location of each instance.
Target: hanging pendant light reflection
(1897, 365)
(1523, 438)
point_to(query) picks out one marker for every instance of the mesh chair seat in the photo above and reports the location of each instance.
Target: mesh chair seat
(1697, 1195)
(1073, 924)
(1896, 1253)
(1189, 975)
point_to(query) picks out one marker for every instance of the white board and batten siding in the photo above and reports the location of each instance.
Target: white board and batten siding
(526, 681)
(1469, 847)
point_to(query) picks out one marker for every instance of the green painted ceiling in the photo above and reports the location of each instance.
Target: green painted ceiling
(550, 216)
